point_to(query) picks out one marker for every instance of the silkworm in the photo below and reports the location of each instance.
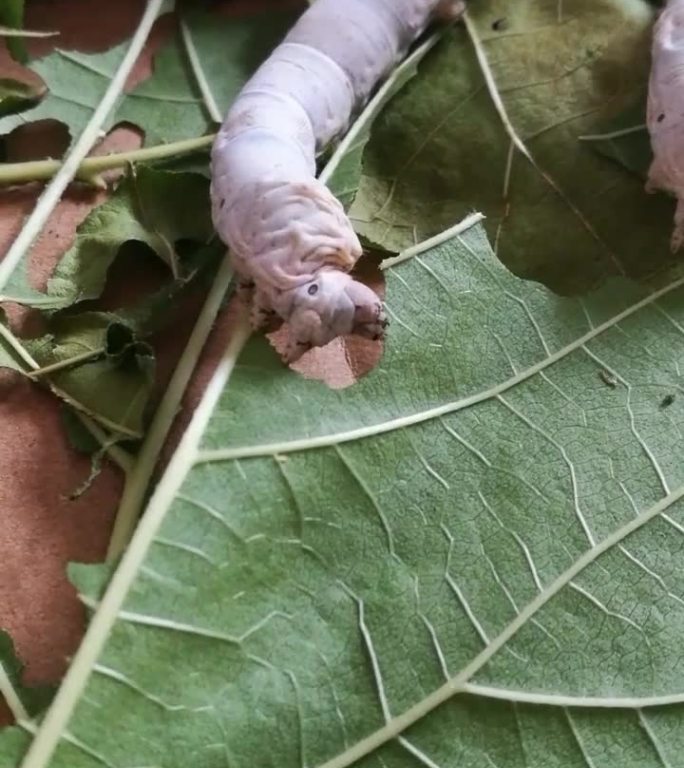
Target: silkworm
(665, 111)
(292, 244)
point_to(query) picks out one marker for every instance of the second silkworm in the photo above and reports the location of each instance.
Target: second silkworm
(665, 113)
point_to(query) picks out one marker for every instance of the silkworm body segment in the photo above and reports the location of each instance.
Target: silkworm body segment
(665, 111)
(291, 241)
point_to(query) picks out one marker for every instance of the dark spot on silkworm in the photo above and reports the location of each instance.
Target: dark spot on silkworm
(223, 202)
(312, 289)
(608, 379)
(661, 117)
(667, 401)
(500, 24)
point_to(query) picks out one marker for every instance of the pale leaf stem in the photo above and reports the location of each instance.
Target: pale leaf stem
(70, 362)
(11, 697)
(12, 32)
(90, 169)
(197, 70)
(118, 455)
(138, 481)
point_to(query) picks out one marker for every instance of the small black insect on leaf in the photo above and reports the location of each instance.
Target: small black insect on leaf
(667, 401)
(500, 24)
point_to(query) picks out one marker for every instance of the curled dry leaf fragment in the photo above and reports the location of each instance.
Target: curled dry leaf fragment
(665, 113)
(291, 241)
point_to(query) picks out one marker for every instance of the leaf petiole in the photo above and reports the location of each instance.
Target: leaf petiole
(70, 362)
(90, 170)
(13, 32)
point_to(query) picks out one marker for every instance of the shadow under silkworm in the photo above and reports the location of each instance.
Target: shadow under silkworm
(346, 359)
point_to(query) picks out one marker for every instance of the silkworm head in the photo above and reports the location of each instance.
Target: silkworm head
(324, 298)
(334, 304)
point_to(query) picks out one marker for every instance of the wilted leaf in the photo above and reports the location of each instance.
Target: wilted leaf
(99, 362)
(128, 352)
(13, 32)
(107, 371)
(483, 508)
(152, 313)
(109, 375)
(168, 105)
(167, 207)
(562, 214)
(76, 82)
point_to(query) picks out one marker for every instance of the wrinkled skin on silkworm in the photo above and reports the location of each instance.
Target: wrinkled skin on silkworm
(666, 111)
(291, 242)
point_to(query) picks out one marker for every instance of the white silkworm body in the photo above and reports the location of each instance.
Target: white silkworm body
(665, 114)
(291, 241)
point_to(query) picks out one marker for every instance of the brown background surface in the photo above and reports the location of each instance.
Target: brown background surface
(41, 530)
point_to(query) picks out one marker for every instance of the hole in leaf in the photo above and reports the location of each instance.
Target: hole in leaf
(345, 360)
(37, 140)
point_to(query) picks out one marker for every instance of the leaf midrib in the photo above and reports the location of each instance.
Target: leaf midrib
(565, 700)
